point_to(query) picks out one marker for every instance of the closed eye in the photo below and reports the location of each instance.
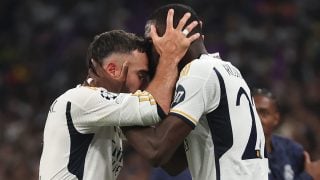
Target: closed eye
(144, 76)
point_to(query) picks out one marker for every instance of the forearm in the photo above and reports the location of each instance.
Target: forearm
(150, 144)
(136, 136)
(163, 84)
(177, 163)
(158, 144)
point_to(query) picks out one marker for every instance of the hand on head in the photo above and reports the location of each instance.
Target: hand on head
(175, 41)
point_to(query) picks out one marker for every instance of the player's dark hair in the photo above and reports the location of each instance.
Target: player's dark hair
(265, 93)
(159, 18)
(116, 41)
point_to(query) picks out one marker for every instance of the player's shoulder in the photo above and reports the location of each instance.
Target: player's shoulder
(81, 90)
(208, 61)
(81, 94)
(200, 67)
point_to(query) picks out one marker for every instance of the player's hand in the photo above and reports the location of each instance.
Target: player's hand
(312, 168)
(99, 78)
(175, 42)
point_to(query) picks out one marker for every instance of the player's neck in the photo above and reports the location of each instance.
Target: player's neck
(269, 144)
(196, 50)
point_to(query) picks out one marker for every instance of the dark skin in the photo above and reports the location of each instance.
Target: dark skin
(163, 145)
(159, 144)
(270, 118)
(172, 131)
(269, 115)
(177, 164)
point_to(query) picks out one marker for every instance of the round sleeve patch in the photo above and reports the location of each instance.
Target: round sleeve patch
(179, 95)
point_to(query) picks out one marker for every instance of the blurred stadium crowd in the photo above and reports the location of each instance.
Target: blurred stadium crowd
(275, 43)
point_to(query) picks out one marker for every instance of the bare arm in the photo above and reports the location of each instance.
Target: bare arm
(177, 163)
(171, 47)
(160, 143)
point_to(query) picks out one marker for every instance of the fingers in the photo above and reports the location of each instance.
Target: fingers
(183, 21)
(181, 24)
(194, 37)
(191, 26)
(170, 19)
(306, 157)
(124, 72)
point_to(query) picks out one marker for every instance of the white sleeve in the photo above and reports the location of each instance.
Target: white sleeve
(196, 93)
(103, 108)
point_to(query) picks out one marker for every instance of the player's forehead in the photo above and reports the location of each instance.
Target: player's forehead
(263, 101)
(138, 59)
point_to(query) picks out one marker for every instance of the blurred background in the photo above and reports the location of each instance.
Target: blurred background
(43, 43)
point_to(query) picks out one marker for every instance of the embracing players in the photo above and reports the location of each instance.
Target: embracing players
(212, 114)
(82, 135)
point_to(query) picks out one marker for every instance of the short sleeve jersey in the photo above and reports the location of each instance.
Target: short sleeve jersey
(82, 138)
(227, 141)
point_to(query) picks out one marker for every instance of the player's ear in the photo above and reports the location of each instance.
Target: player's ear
(110, 69)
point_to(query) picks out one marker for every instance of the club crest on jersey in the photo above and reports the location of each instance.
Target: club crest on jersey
(108, 95)
(179, 95)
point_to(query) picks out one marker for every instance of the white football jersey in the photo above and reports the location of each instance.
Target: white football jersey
(82, 135)
(227, 142)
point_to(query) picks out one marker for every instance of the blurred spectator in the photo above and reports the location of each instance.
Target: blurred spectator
(275, 43)
(287, 159)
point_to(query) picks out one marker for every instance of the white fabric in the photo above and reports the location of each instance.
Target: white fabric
(198, 96)
(93, 111)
